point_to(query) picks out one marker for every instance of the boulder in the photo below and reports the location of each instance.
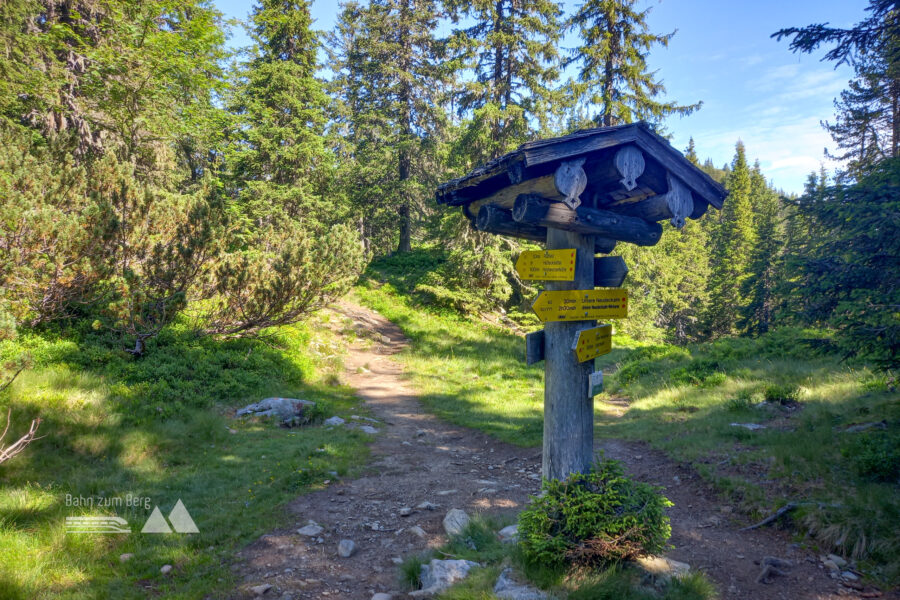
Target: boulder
(285, 409)
(507, 588)
(659, 569)
(312, 529)
(455, 521)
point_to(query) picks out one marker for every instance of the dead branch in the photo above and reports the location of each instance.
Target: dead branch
(773, 517)
(7, 452)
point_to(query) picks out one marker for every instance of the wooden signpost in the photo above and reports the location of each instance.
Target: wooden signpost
(547, 265)
(581, 305)
(580, 194)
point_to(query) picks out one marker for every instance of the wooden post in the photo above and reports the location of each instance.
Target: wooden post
(568, 411)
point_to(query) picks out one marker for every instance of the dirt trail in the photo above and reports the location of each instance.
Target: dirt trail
(418, 458)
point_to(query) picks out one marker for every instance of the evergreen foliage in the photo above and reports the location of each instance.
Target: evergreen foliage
(613, 74)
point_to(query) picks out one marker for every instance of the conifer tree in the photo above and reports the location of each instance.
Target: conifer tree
(615, 42)
(390, 84)
(733, 241)
(690, 153)
(765, 260)
(511, 51)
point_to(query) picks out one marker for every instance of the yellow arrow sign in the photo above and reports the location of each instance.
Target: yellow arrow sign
(547, 265)
(593, 342)
(581, 305)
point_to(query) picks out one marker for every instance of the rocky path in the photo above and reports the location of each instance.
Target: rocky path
(429, 466)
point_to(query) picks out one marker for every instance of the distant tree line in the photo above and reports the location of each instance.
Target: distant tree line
(148, 175)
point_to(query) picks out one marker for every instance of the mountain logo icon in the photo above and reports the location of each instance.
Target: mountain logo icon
(180, 519)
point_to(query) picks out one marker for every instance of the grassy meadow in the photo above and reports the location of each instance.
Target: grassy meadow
(159, 429)
(684, 401)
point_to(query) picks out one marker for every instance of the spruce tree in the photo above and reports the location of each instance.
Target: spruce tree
(765, 257)
(511, 51)
(390, 85)
(733, 241)
(613, 74)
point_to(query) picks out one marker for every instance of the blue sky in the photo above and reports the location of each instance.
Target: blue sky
(751, 86)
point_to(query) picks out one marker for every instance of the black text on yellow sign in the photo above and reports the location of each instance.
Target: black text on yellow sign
(581, 305)
(593, 342)
(547, 265)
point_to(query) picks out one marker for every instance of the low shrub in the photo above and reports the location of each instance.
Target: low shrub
(594, 519)
(697, 372)
(782, 394)
(875, 455)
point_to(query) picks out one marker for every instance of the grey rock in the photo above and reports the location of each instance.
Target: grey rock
(165, 569)
(438, 575)
(831, 566)
(397, 560)
(334, 421)
(311, 529)
(418, 532)
(837, 560)
(849, 576)
(346, 548)
(446, 492)
(455, 521)
(382, 596)
(259, 590)
(284, 408)
(405, 511)
(368, 429)
(660, 569)
(509, 534)
(125, 557)
(750, 426)
(507, 588)
(426, 506)
(385, 339)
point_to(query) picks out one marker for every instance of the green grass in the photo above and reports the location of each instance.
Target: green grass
(158, 428)
(683, 401)
(479, 543)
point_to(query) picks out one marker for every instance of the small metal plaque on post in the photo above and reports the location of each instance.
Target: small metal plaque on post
(595, 384)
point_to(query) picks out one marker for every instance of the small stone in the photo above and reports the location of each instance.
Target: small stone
(125, 557)
(534, 476)
(455, 521)
(230, 430)
(385, 339)
(311, 530)
(165, 569)
(259, 590)
(849, 576)
(750, 426)
(421, 433)
(446, 492)
(426, 506)
(418, 532)
(662, 569)
(509, 534)
(397, 560)
(405, 511)
(346, 548)
(334, 421)
(382, 596)
(837, 560)
(368, 429)
(831, 566)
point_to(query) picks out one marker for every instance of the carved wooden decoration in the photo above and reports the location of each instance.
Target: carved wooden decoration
(679, 201)
(570, 181)
(630, 165)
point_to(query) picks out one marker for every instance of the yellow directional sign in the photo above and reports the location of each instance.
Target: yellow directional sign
(547, 265)
(581, 305)
(593, 342)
